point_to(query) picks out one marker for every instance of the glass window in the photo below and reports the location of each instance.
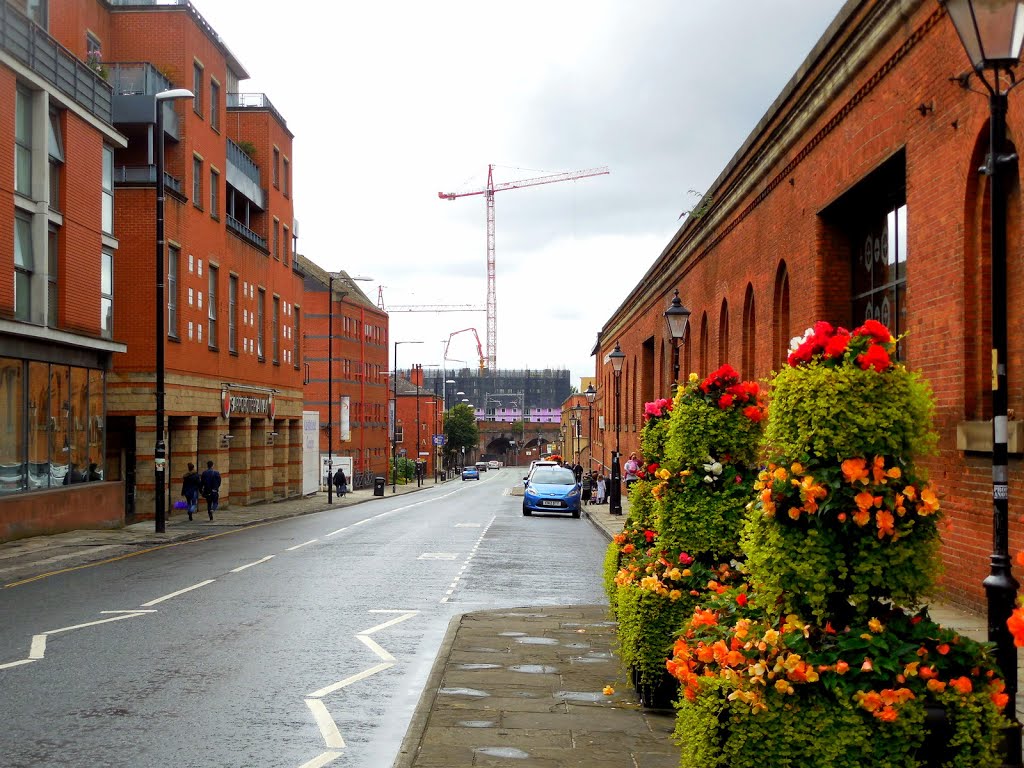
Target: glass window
(60, 435)
(52, 295)
(275, 330)
(38, 426)
(261, 310)
(277, 239)
(275, 169)
(880, 272)
(197, 182)
(107, 294)
(173, 263)
(197, 88)
(285, 174)
(37, 11)
(286, 239)
(97, 427)
(56, 159)
(232, 313)
(211, 305)
(78, 421)
(215, 105)
(214, 193)
(108, 190)
(24, 266)
(23, 142)
(296, 335)
(13, 474)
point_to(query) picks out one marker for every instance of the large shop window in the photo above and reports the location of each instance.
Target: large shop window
(51, 425)
(880, 271)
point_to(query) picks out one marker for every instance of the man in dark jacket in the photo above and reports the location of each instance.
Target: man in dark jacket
(340, 482)
(191, 484)
(211, 488)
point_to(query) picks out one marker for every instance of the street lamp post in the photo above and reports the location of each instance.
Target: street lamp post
(677, 316)
(394, 423)
(160, 450)
(991, 32)
(591, 395)
(616, 357)
(577, 432)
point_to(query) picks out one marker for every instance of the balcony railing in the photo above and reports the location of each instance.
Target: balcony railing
(29, 43)
(253, 101)
(245, 233)
(136, 78)
(144, 175)
(244, 175)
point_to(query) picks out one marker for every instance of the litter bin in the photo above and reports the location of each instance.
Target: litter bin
(378, 486)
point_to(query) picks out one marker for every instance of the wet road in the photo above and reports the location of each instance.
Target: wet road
(300, 643)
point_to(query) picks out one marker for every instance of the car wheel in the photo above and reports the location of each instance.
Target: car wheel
(576, 513)
(526, 512)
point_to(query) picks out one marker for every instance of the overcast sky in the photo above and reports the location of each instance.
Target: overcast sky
(394, 101)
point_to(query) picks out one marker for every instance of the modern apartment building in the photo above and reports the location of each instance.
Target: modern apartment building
(351, 392)
(233, 292)
(58, 248)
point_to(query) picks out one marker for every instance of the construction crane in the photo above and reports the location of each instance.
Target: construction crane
(479, 348)
(488, 192)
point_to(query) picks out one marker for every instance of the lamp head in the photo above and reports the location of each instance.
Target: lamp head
(590, 393)
(678, 317)
(175, 93)
(991, 31)
(617, 357)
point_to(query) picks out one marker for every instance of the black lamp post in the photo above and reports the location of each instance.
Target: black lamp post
(577, 411)
(160, 451)
(591, 394)
(394, 424)
(330, 383)
(616, 357)
(991, 32)
(678, 317)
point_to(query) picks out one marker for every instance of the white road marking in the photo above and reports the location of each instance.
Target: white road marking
(10, 664)
(437, 556)
(370, 643)
(38, 648)
(324, 721)
(133, 610)
(332, 533)
(179, 592)
(321, 760)
(391, 623)
(94, 623)
(303, 544)
(349, 680)
(250, 565)
(467, 525)
(472, 553)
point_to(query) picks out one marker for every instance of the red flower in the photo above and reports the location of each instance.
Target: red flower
(684, 559)
(836, 346)
(801, 354)
(741, 599)
(649, 535)
(753, 412)
(725, 401)
(878, 332)
(652, 468)
(875, 357)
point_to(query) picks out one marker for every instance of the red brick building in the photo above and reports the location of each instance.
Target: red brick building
(358, 373)
(857, 195)
(233, 291)
(57, 246)
(419, 418)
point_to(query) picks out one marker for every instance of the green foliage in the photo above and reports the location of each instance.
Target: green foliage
(608, 571)
(704, 519)
(699, 429)
(647, 626)
(460, 428)
(975, 734)
(653, 438)
(643, 507)
(406, 470)
(831, 414)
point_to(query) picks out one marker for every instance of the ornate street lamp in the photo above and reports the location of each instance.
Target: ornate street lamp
(678, 317)
(616, 357)
(591, 394)
(577, 412)
(394, 424)
(160, 450)
(991, 32)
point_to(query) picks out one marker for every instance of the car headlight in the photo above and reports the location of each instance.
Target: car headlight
(574, 492)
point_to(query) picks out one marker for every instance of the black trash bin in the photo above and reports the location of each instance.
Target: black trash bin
(378, 486)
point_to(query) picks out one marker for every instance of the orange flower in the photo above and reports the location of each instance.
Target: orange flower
(703, 618)
(629, 549)
(942, 648)
(878, 470)
(864, 500)
(842, 667)
(862, 517)
(810, 492)
(867, 666)
(1016, 625)
(854, 470)
(929, 501)
(884, 520)
(962, 685)
(910, 492)
(1019, 559)
(794, 513)
(926, 673)
(887, 714)
(936, 686)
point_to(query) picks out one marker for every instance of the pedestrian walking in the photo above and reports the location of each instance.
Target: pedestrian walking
(340, 483)
(587, 493)
(632, 469)
(211, 488)
(191, 484)
(577, 470)
(94, 472)
(602, 489)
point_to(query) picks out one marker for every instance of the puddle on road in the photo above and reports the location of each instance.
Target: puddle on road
(537, 640)
(511, 634)
(476, 724)
(463, 692)
(478, 666)
(576, 645)
(590, 658)
(534, 669)
(510, 752)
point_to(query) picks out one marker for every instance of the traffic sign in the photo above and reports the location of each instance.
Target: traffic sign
(439, 439)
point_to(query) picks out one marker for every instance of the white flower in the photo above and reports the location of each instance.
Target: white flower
(708, 479)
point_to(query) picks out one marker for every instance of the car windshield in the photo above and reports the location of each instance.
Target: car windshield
(553, 476)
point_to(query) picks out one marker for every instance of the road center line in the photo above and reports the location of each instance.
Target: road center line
(303, 544)
(175, 594)
(349, 680)
(326, 724)
(250, 565)
(321, 760)
(370, 643)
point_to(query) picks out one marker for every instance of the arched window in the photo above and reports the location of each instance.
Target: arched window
(723, 334)
(781, 333)
(749, 334)
(703, 345)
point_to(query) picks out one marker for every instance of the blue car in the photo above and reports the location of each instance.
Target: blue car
(552, 489)
(470, 473)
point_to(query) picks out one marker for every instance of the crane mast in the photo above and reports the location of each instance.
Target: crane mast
(488, 192)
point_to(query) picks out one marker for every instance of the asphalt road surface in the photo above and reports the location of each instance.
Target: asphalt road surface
(300, 643)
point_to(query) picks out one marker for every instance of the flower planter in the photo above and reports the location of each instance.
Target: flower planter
(659, 695)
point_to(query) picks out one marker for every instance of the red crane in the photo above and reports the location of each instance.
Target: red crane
(479, 349)
(488, 191)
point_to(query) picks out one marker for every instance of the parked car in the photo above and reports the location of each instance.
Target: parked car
(470, 473)
(534, 464)
(551, 489)
(481, 466)
(492, 464)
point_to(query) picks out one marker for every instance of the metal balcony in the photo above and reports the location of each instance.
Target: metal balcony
(135, 85)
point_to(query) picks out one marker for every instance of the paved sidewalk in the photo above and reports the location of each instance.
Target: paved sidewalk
(41, 555)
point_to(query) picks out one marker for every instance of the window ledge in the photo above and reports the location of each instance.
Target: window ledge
(976, 437)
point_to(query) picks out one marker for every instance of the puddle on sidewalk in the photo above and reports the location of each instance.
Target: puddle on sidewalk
(465, 667)
(510, 752)
(537, 640)
(580, 695)
(476, 724)
(534, 669)
(463, 692)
